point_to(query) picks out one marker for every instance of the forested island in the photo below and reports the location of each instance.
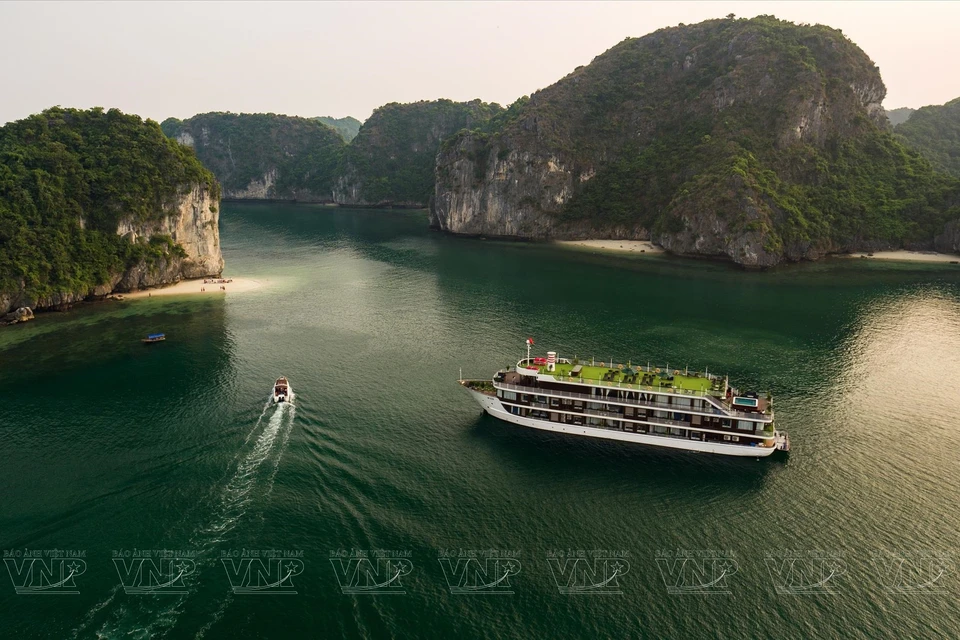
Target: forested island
(347, 127)
(264, 156)
(95, 201)
(759, 141)
(934, 131)
(391, 162)
(388, 162)
(754, 140)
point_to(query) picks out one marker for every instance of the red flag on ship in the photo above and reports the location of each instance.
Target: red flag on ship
(530, 341)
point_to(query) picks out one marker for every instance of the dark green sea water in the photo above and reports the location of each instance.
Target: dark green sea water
(109, 447)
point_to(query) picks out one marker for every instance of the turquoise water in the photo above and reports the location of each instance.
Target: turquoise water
(459, 524)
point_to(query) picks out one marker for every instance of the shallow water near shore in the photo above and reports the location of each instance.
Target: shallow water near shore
(388, 505)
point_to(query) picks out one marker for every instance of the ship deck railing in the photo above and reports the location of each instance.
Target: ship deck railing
(748, 437)
(711, 408)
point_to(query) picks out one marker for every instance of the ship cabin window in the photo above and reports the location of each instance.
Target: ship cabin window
(542, 399)
(682, 402)
(525, 398)
(745, 425)
(678, 432)
(515, 410)
(509, 395)
(577, 404)
(726, 437)
(658, 429)
(554, 402)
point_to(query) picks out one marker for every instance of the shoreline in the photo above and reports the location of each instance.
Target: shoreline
(647, 247)
(904, 256)
(194, 286)
(624, 246)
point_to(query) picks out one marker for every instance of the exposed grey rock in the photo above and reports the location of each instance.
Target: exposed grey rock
(23, 314)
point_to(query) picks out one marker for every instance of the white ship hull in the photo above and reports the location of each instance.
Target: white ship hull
(493, 406)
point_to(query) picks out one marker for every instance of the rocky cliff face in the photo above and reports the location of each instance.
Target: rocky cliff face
(264, 156)
(391, 160)
(192, 223)
(730, 138)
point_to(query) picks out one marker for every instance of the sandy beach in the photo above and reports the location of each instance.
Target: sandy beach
(629, 246)
(189, 287)
(911, 256)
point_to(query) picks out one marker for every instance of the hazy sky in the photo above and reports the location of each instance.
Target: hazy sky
(301, 58)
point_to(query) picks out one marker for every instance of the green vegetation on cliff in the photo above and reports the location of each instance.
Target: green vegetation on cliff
(392, 159)
(67, 178)
(935, 132)
(759, 140)
(263, 155)
(899, 116)
(346, 127)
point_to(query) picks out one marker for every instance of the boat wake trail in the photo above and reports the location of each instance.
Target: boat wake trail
(236, 495)
(266, 408)
(281, 448)
(252, 478)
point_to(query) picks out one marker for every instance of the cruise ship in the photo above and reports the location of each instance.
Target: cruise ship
(694, 411)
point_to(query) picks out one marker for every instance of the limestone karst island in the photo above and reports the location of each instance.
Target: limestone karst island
(438, 320)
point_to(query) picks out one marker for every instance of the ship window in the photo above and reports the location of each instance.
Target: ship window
(677, 432)
(735, 438)
(554, 402)
(542, 399)
(745, 425)
(726, 437)
(682, 402)
(509, 395)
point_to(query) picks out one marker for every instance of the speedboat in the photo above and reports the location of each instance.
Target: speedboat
(282, 392)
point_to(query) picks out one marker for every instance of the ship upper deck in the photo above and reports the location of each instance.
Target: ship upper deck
(638, 377)
(626, 376)
(650, 378)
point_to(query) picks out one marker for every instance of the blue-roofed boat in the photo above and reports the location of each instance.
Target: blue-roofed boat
(154, 337)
